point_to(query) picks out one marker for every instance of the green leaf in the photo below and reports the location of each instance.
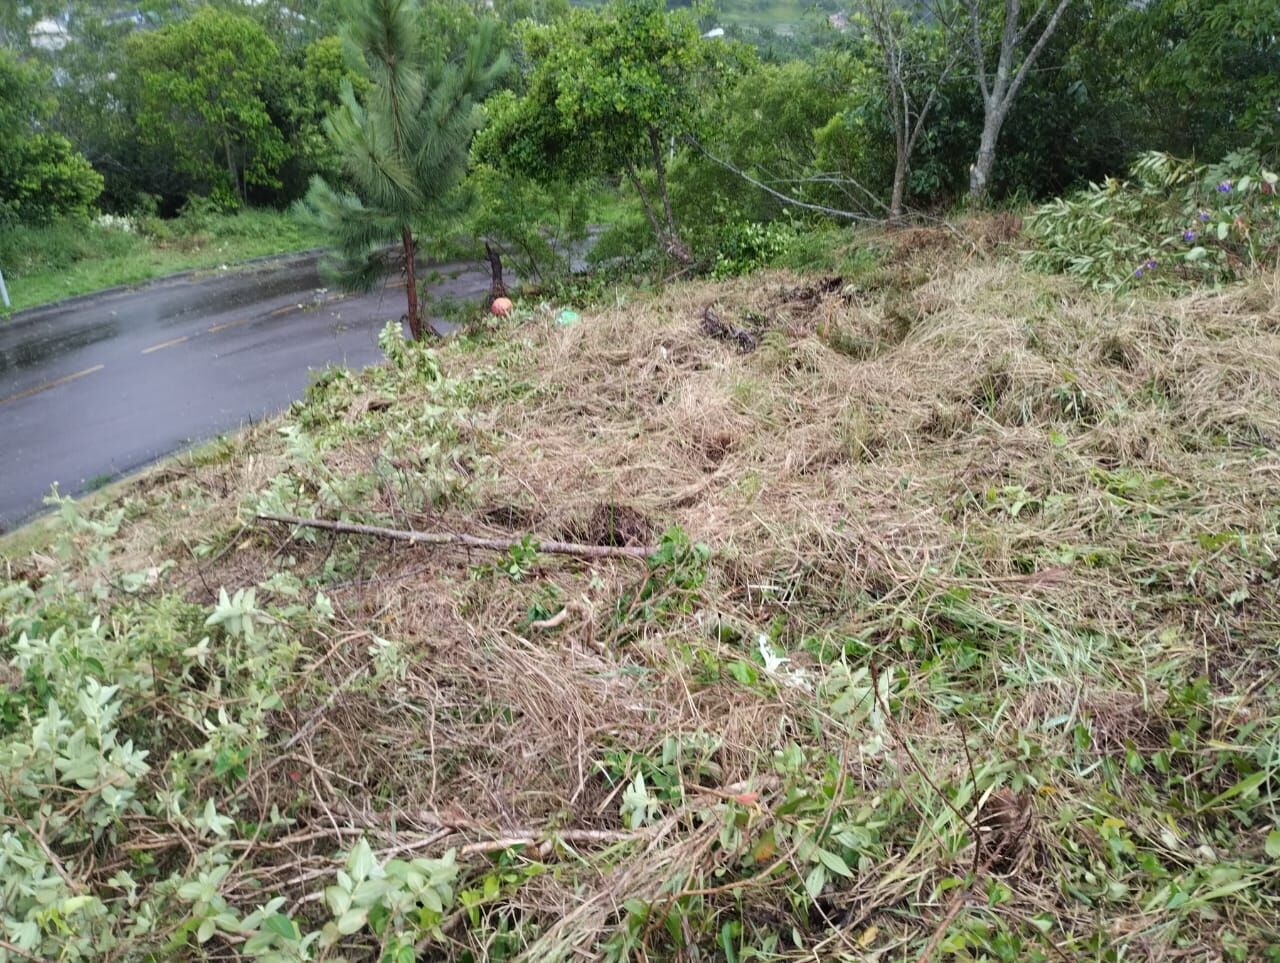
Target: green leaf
(283, 927)
(742, 672)
(1273, 844)
(816, 879)
(352, 920)
(835, 863)
(339, 899)
(361, 862)
(1223, 228)
(1245, 787)
(727, 943)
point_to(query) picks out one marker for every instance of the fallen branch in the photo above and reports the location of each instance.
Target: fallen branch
(544, 843)
(469, 541)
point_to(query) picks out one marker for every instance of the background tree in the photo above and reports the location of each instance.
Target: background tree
(1197, 78)
(42, 177)
(403, 144)
(200, 91)
(610, 93)
(999, 87)
(916, 59)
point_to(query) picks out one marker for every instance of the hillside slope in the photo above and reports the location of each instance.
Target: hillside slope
(959, 640)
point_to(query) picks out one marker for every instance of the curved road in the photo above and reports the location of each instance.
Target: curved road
(96, 387)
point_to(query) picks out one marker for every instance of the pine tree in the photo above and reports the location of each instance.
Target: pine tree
(403, 143)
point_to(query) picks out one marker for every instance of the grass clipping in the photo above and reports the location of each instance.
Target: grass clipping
(978, 663)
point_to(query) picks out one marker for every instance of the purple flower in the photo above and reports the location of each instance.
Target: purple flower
(1151, 265)
(1138, 273)
(1204, 217)
(1188, 235)
(1224, 187)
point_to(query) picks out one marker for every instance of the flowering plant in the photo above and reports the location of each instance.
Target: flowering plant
(1172, 220)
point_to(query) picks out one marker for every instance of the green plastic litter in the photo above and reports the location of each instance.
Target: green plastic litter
(567, 317)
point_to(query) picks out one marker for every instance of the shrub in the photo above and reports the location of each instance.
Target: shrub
(744, 247)
(1172, 219)
(43, 178)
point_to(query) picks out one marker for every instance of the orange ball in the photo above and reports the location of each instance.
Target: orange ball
(502, 307)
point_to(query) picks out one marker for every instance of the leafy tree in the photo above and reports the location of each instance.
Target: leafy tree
(309, 89)
(42, 177)
(915, 59)
(403, 144)
(1195, 77)
(532, 224)
(610, 93)
(200, 88)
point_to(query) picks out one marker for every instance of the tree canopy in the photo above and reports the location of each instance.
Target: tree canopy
(698, 119)
(610, 92)
(42, 176)
(200, 89)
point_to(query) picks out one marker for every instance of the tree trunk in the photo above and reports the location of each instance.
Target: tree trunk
(984, 164)
(231, 169)
(899, 188)
(496, 288)
(652, 218)
(675, 247)
(411, 284)
(998, 94)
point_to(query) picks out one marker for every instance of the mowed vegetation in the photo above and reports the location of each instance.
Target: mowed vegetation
(957, 640)
(775, 590)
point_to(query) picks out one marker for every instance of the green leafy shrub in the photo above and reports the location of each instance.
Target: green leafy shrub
(1172, 219)
(44, 178)
(744, 247)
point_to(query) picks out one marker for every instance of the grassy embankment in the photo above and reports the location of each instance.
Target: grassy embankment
(45, 264)
(961, 642)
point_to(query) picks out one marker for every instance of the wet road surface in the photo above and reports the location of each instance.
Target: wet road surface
(100, 386)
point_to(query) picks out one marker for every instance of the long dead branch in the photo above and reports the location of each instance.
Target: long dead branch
(470, 541)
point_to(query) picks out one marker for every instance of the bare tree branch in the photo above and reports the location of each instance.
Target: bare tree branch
(784, 198)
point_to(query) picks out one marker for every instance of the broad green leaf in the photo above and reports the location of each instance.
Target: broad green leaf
(835, 863)
(205, 931)
(352, 920)
(1273, 844)
(361, 862)
(282, 926)
(816, 879)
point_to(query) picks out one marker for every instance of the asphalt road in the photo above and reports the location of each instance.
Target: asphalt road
(97, 387)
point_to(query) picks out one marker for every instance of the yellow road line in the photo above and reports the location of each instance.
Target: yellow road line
(52, 384)
(165, 344)
(285, 310)
(229, 324)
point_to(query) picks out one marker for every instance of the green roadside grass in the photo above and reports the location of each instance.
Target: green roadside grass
(49, 263)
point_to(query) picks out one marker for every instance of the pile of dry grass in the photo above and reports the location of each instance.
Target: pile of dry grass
(1040, 515)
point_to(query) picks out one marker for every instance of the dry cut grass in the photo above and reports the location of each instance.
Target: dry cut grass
(1018, 544)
